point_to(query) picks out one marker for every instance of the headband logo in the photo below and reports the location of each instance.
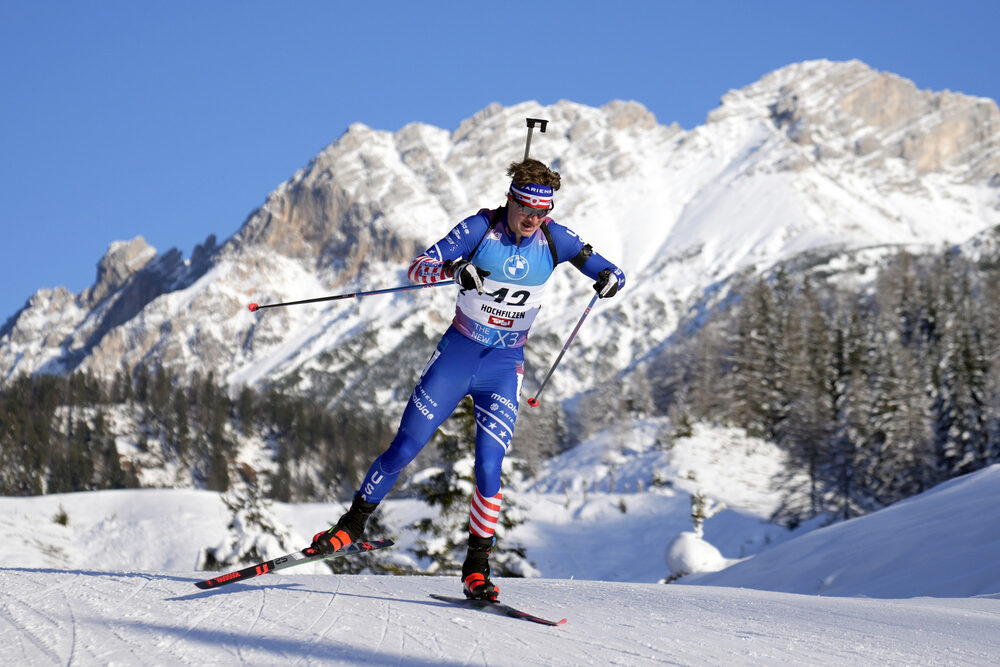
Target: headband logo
(532, 194)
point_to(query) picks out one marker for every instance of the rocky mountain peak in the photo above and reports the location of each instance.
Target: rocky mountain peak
(122, 259)
(848, 109)
(347, 208)
(806, 157)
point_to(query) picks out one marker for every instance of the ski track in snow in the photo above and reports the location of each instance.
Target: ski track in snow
(23, 630)
(308, 631)
(51, 617)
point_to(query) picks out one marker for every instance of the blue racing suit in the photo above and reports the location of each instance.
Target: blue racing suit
(481, 354)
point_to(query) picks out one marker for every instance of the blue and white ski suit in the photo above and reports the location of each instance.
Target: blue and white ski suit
(481, 354)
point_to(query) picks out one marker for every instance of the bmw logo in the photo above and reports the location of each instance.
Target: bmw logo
(516, 267)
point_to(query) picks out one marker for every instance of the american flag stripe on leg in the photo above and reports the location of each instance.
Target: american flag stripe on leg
(484, 514)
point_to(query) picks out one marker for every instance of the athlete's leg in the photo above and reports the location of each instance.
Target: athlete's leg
(443, 383)
(495, 396)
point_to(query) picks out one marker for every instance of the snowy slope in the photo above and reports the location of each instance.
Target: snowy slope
(943, 543)
(89, 617)
(139, 528)
(115, 586)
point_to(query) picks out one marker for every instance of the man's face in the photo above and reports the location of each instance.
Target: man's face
(524, 220)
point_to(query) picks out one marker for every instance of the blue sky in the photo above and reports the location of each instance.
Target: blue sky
(174, 120)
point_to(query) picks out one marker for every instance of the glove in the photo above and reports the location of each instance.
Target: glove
(466, 274)
(606, 285)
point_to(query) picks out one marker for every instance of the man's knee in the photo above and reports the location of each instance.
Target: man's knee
(404, 448)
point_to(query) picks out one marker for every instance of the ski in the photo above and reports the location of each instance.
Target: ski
(307, 555)
(496, 607)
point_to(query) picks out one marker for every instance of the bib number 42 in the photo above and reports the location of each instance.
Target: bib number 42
(518, 298)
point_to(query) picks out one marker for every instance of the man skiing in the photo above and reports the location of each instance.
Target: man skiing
(502, 259)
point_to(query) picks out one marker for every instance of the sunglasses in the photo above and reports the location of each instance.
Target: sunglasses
(530, 211)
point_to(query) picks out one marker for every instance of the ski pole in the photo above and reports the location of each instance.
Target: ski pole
(531, 126)
(255, 307)
(533, 402)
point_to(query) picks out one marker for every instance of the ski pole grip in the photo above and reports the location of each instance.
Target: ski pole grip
(542, 121)
(531, 126)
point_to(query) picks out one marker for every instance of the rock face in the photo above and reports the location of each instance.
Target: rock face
(817, 154)
(848, 110)
(122, 260)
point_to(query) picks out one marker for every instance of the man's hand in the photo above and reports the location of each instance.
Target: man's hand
(466, 274)
(607, 284)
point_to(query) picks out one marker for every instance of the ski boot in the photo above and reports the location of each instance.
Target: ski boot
(476, 582)
(349, 529)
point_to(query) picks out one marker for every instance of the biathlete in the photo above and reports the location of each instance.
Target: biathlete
(502, 259)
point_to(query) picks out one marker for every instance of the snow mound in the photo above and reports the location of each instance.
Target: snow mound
(689, 553)
(942, 543)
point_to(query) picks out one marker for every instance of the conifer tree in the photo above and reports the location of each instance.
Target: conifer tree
(807, 430)
(839, 473)
(964, 382)
(905, 381)
(217, 473)
(245, 409)
(255, 533)
(159, 392)
(704, 387)
(181, 435)
(903, 417)
(757, 374)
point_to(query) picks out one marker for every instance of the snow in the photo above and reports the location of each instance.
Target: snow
(689, 552)
(89, 617)
(942, 545)
(916, 583)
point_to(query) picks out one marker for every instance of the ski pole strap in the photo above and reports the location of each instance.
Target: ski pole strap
(533, 402)
(255, 307)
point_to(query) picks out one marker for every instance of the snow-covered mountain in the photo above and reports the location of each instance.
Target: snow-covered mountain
(830, 155)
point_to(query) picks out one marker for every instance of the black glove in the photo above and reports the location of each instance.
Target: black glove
(607, 284)
(466, 274)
